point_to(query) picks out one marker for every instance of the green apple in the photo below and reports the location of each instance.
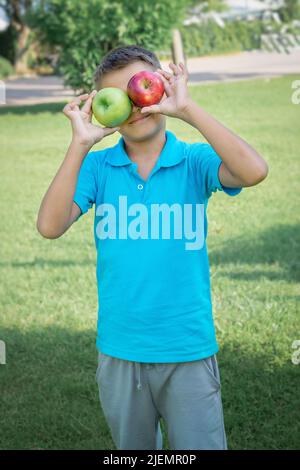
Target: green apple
(111, 106)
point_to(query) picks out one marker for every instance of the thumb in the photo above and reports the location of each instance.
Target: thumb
(109, 130)
(155, 108)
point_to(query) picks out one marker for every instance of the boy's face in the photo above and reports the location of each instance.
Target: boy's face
(147, 126)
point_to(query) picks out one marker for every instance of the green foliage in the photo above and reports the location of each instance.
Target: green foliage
(215, 5)
(208, 38)
(290, 11)
(6, 68)
(84, 31)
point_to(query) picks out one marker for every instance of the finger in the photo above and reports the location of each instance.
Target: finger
(167, 86)
(175, 69)
(86, 108)
(67, 109)
(166, 74)
(77, 101)
(83, 97)
(72, 106)
(184, 69)
(109, 130)
(155, 108)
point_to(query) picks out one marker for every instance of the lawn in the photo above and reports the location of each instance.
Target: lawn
(48, 394)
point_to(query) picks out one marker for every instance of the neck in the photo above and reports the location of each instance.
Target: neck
(140, 152)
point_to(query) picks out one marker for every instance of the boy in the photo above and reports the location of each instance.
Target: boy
(156, 339)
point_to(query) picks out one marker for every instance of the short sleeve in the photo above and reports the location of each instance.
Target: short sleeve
(86, 187)
(205, 164)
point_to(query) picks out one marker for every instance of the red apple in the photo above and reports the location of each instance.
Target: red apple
(145, 88)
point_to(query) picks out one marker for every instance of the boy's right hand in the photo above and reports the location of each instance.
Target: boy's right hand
(84, 132)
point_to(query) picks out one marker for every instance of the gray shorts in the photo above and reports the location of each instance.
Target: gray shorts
(134, 396)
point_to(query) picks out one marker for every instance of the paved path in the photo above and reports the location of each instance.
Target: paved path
(241, 66)
(210, 69)
(33, 90)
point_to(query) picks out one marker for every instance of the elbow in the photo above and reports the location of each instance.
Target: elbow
(46, 231)
(258, 174)
(262, 172)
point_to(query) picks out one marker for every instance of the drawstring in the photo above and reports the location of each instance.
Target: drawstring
(138, 366)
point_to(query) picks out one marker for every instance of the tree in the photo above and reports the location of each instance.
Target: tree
(290, 10)
(17, 11)
(83, 31)
(208, 5)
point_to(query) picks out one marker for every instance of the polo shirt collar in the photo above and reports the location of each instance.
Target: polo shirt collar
(171, 154)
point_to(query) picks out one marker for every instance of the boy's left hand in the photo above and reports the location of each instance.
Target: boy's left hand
(176, 100)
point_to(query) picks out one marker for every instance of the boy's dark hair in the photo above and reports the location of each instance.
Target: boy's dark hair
(121, 56)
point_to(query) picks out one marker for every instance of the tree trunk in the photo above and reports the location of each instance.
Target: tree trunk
(177, 48)
(22, 47)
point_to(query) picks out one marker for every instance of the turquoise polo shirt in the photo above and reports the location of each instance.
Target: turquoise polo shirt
(154, 296)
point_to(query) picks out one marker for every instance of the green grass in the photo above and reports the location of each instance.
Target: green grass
(48, 395)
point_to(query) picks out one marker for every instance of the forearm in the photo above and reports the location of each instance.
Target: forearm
(55, 210)
(245, 165)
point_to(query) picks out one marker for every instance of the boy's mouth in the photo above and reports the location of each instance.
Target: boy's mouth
(140, 118)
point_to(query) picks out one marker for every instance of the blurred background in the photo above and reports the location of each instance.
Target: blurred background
(55, 45)
(243, 58)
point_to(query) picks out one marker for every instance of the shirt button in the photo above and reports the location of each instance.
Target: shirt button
(140, 186)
